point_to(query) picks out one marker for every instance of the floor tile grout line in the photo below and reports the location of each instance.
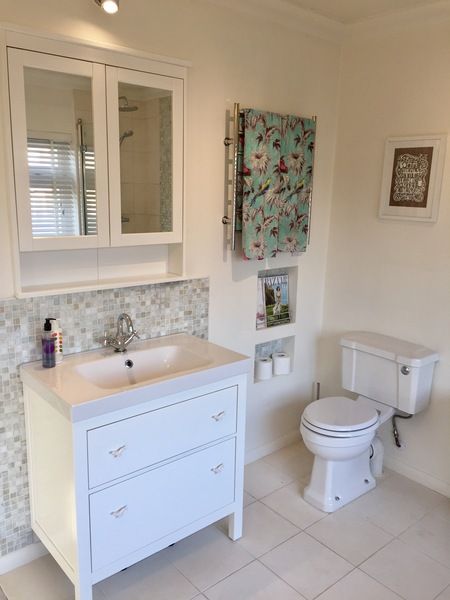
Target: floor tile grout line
(280, 515)
(330, 549)
(285, 474)
(372, 522)
(273, 491)
(383, 584)
(423, 553)
(337, 581)
(281, 579)
(278, 545)
(441, 592)
(204, 592)
(284, 485)
(183, 575)
(349, 561)
(284, 517)
(322, 592)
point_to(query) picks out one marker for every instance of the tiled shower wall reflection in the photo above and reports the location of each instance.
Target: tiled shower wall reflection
(155, 309)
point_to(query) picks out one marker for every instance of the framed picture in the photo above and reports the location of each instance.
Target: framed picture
(412, 177)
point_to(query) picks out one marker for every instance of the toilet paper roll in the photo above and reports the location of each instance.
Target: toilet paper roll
(281, 363)
(263, 368)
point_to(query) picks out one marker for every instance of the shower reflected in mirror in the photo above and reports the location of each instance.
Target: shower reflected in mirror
(126, 134)
(145, 142)
(124, 105)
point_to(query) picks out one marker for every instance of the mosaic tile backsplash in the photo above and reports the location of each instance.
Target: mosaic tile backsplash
(266, 349)
(156, 310)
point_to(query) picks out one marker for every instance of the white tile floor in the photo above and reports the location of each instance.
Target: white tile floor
(393, 543)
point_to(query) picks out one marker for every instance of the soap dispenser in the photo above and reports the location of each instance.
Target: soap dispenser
(57, 336)
(48, 345)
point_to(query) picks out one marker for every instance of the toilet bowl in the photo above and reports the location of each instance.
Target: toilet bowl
(339, 432)
(388, 374)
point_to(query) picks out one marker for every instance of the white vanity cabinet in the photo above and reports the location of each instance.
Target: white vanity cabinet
(134, 481)
(111, 487)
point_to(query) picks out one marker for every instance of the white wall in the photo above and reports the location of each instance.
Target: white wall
(236, 57)
(387, 276)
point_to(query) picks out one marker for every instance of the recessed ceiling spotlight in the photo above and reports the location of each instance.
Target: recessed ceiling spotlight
(109, 6)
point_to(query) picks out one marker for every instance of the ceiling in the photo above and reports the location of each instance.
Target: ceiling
(353, 11)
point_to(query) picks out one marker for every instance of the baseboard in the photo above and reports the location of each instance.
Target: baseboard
(418, 476)
(21, 557)
(261, 451)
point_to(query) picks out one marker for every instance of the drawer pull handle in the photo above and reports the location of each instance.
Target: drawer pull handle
(117, 453)
(219, 416)
(119, 512)
(218, 469)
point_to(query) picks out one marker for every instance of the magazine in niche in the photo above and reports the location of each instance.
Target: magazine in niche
(276, 296)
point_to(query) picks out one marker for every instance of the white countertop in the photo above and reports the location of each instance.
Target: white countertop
(80, 399)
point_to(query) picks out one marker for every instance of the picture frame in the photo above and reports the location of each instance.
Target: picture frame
(412, 177)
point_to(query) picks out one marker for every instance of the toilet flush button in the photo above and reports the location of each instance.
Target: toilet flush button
(405, 370)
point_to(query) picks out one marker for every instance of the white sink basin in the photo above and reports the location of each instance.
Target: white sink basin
(91, 383)
(113, 371)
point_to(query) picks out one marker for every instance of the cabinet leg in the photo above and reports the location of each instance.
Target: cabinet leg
(235, 525)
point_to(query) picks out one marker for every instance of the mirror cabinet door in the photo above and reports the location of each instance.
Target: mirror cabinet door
(145, 127)
(60, 151)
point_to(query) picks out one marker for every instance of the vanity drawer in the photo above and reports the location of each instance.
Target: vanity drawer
(130, 515)
(126, 446)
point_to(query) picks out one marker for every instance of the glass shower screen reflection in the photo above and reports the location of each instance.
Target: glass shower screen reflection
(145, 141)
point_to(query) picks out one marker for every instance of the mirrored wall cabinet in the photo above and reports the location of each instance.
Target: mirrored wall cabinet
(96, 163)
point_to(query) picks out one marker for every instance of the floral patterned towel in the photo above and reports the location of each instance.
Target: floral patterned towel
(275, 168)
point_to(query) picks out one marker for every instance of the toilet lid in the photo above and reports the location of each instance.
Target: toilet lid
(338, 413)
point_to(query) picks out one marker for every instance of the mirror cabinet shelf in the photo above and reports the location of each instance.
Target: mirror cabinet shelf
(96, 162)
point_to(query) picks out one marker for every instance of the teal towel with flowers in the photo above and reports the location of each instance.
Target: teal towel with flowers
(275, 169)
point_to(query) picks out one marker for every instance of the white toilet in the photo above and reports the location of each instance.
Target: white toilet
(389, 375)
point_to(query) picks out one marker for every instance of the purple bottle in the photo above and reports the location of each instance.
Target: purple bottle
(48, 345)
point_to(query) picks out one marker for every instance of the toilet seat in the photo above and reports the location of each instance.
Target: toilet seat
(339, 434)
(338, 416)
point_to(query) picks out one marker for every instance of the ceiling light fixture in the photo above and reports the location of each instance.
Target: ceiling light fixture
(109, 6)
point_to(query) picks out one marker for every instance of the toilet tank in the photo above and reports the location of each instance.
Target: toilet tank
(387, 369)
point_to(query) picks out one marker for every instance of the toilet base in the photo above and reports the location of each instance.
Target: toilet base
(334, 484)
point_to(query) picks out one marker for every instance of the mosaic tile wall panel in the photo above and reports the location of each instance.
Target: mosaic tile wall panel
(165, 175)
(266, 349)
(155, 309)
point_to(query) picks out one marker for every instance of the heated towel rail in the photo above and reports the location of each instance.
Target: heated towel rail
(231, 159)
(232, 149)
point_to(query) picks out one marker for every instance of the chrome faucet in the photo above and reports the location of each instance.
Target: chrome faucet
(124, 335)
